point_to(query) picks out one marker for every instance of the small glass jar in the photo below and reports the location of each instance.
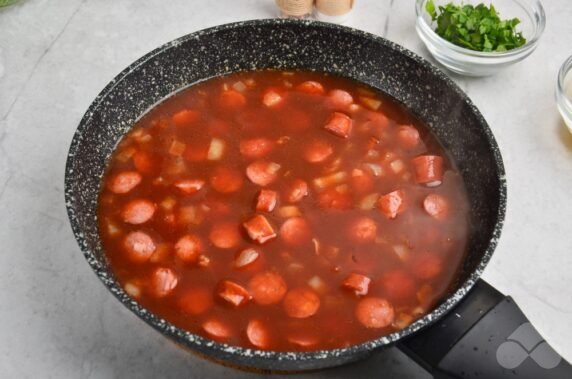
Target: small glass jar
(564, 92)
(336, 11)
(298, 9)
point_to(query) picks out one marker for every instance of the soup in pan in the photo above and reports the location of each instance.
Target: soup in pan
(286, 211)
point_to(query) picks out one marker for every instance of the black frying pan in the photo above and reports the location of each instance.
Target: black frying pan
(474, 331)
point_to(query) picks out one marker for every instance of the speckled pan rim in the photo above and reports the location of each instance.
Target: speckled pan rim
(201, 343)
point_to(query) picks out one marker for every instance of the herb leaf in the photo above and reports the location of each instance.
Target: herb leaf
(475, 27)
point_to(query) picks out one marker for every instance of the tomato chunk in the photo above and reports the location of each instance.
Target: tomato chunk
(266, 200)
(226, 180)
(436, 206)
(296, 191)
(428, 170)
(262, 173)
(124, 182)
(363, 230)
(259, 229)
(255, 148)
(217, 329)
(163, 281)
(310, 87)
(391, 204)
(357, 283)
(375, 313)
(233, 293)
(301, 303)
(340, 99)
(188, 248)
(339, 125)
(189, 186)
(317, 151)
(138, 211)
(258, 334)
(398, 285)
(139, 246)
(186, 117)
(225, 235)
(267, 288)
(295, 231)
(408, 136)
(196, 301)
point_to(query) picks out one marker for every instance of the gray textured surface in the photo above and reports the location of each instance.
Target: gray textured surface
(57, 320)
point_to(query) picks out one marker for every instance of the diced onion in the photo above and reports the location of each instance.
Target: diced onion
(316, 246)
(216, 149)
(204, 261)
(113, 230)
(401, 251)
(239, 86)
(330, 180)
(168, 203)
(177, 148)
(342, 188)
(125, 154)
(295, 268)
(250, 82)
(289, 211)
(273, 168)
(132, 290)
(397, 166)
(371, 103)
(368, 201)
(402, 320)
(375, 169)
(246, 257)
(190, 215)
(287, 84)
(317, 284)
(371, 153)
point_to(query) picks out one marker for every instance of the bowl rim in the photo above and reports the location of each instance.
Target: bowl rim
(531, 43)
(561, 96)
(203, 344)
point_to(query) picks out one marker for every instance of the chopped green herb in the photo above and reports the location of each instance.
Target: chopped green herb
(475, 27)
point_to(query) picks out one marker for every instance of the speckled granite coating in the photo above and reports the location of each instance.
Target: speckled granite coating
(283, 44)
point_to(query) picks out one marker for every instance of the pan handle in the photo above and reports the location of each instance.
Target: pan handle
(485, 336)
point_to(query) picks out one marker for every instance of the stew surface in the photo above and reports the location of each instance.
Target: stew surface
(286, 211)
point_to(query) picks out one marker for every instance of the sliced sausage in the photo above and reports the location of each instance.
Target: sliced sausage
(272, 98)
(225, 235)
(317, 151)
(363, 230)
(427, 266)
(138, 211)
(124, 182)
(391, 204)
(226, 180)
(375, 312)
(436, 206)
(357, 283)
(267, 288)
(339, 125)
(297, 189)
(196, 301)
(428, 170)
(262, 173)
(245, 257)
(266, 200)
(139, 246)
(163, 281)
(295, 231)
(303, 340)
(301, 303)
(311, 87)
(259, 229)
(398, 285)
(332, 199)
(255, 148)
(340, 99)
(232, 100)
(188, 248)
(258, 334)
(233, 293)
(217, 328)
(186, 117)
(408, 136)
(189, 186)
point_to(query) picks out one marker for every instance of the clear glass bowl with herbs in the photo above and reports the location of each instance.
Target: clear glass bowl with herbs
(479, 38)
(564, 92)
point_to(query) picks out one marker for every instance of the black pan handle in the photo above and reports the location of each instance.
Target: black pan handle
(485, 336)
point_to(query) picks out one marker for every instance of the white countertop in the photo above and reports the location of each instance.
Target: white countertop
(56, 318)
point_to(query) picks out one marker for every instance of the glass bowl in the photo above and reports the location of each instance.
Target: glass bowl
(478, 63)
(564, 92)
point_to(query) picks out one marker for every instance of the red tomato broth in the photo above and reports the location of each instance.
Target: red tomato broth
(421, 250)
